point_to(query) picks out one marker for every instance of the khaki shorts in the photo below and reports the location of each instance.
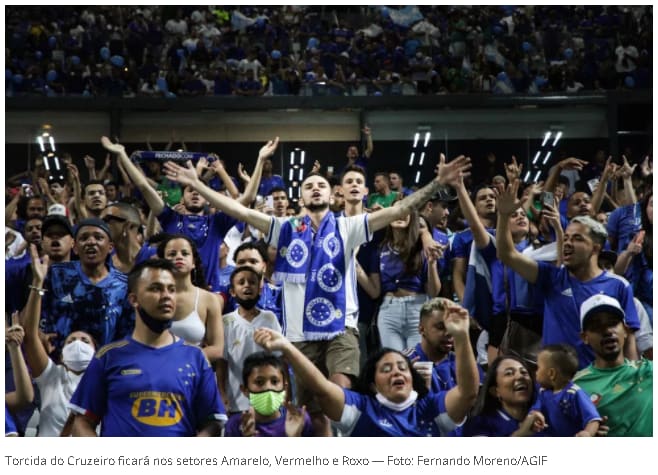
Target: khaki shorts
(340, 355)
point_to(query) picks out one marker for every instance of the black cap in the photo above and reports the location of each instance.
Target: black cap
(56, 219)
(443, 194)
(96, 222)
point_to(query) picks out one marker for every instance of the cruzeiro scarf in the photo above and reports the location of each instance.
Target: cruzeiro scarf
(319, 263)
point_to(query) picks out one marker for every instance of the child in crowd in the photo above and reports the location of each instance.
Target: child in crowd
(239, 327)
(565, 409)
(264, 384)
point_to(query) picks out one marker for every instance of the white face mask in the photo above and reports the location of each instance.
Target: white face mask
(77, 355)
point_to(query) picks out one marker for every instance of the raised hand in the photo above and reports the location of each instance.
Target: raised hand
(316, 167)
(366, 130)
(454, 172)
(39, 265)
(457, 321)
(244, 176)
(626, 170)
(186, 176)
(269, 339)
(90, 162)
(506, 198)
(513, 170)
(552, 216)
(646, 167)
(73, 172)
(268, 149)
(572, 163)
(248, 423)
(14, 333)
(295, 418)
(112, 147)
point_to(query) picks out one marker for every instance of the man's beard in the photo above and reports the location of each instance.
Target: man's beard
(316, 208)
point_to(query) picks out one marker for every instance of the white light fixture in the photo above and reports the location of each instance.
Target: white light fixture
(548, 155)
(557, 137)
(427, 138)
(40, 142)
(537, 176)
(546, 138)
(422, 158)
(416, 138)
(301, 173)
(417, 176)
(303, 156)
(411, 158)
(534, 160)
(292, 157)
(290, 175)
(527, 176)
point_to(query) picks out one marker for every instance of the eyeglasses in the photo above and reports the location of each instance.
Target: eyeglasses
(110, 217)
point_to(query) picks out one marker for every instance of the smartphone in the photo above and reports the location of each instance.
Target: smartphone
(27, 190)
(592, 184)
(269, 202)
(547, 198)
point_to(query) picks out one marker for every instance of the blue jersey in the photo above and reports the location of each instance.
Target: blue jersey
(275, 428)
(567, 412)
(393, 275)
(225, 278)
(10, 425)
(72, 302)
(207, 232)
(136, 390)
(496, 424)
(563, 294)
(18, 277)
(365, 416)
(368, 259)
(461, 243)
(268, 184)
(623, 223)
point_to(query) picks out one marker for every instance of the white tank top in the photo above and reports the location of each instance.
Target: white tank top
(191, 328)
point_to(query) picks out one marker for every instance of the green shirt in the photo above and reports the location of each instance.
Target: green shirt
(384, 200)
(624, 394)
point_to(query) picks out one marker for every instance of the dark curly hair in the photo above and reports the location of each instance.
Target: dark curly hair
(198, 276)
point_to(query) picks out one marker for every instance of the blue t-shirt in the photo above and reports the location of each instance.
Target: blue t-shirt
(267, 184)
(10, 425)
(365, 416)
(72, 302)
(225, 278)
(207, 232)
(18, 277)
(563, 294)
(368, 259)
(566, 412)
(623, 223)
(275, 428)
(497, 424)
(393, 275)
(137, 390)
(461, 243)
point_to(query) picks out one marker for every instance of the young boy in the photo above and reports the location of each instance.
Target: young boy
(566, 409)
(264, 384)
(239, 327)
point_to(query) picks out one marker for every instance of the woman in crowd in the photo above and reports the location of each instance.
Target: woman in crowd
(198, 318)
(407, 279)
(390, 389)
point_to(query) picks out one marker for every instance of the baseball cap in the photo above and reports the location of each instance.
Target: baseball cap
(443, 194)
(56, 219)
(57, 209)
(599, 303)
(96, 222)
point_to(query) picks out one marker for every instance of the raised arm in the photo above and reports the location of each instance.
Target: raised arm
(570, 163)
(35, 353)
(78, 205)
(23, 395)
(251, 188)
(151, 196)
(480, 235)
(329, 395)
(218, 167)
(214, 340)
(599, 193)
(447, 172)
(506, 252)
(461, 398)
(626, 174)
(187, 176)
(369, 146)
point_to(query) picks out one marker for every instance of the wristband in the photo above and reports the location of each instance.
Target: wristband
(41, 291)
